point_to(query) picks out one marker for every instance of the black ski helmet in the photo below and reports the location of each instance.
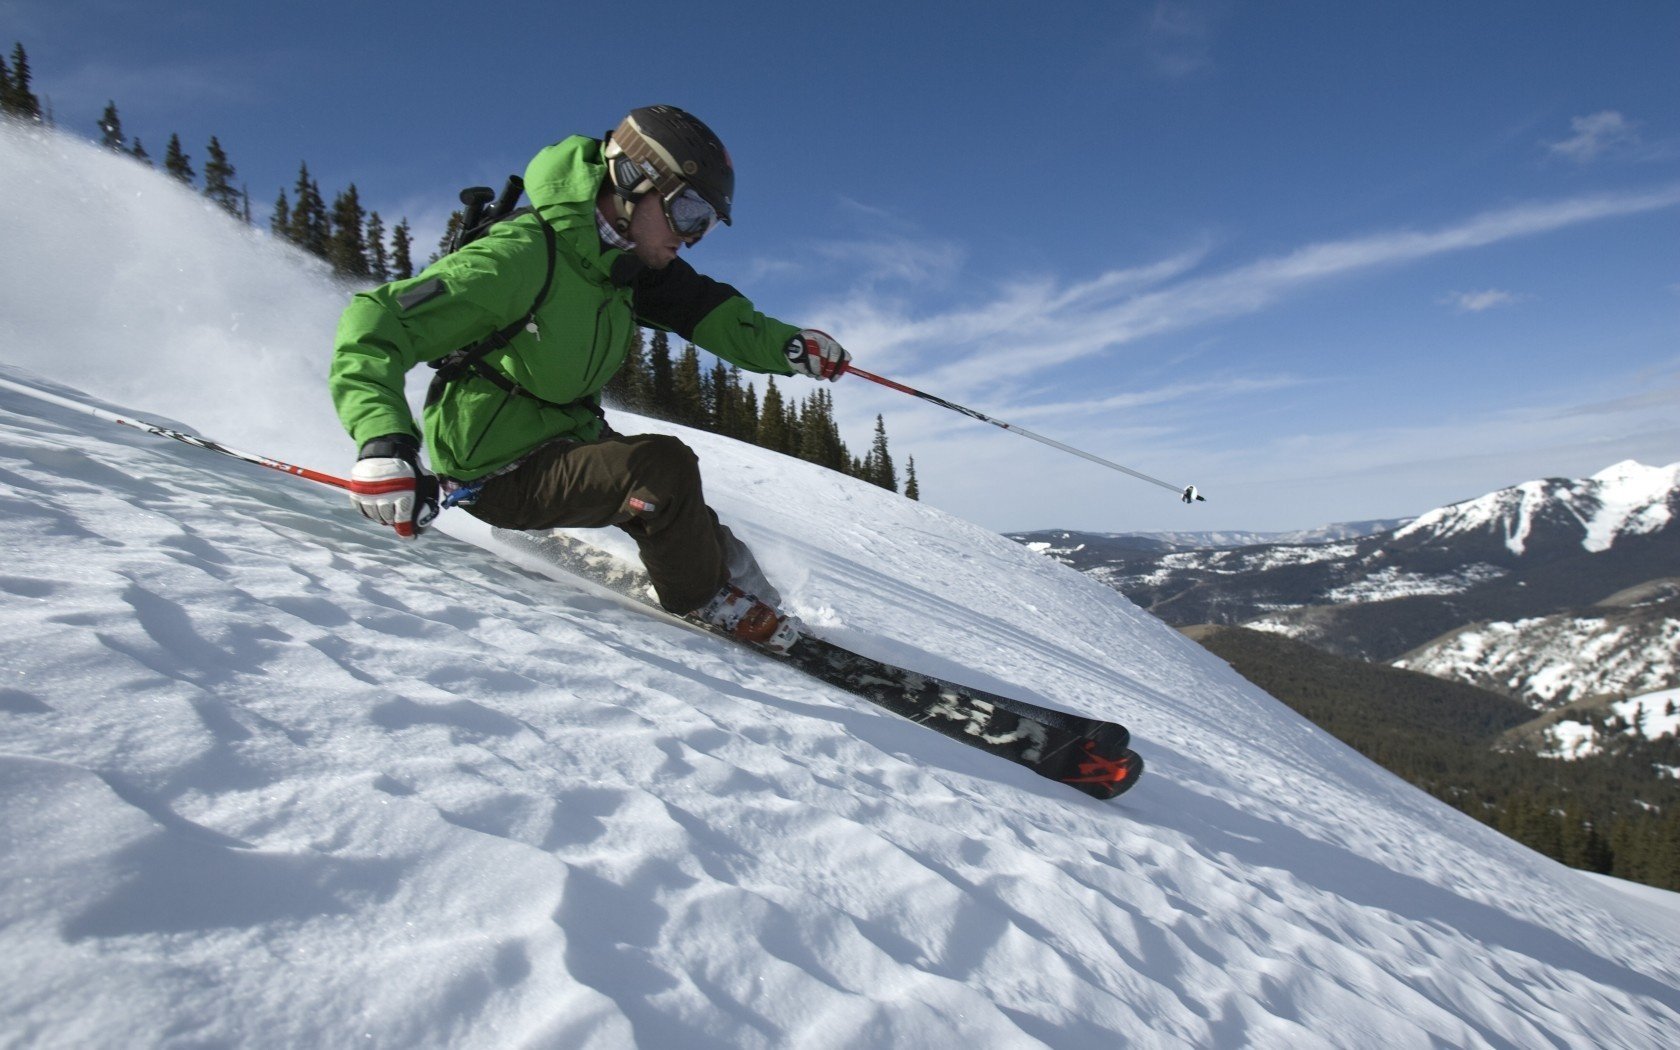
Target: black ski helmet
(670, 147)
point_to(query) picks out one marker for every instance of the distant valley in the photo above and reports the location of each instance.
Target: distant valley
(1517, 654)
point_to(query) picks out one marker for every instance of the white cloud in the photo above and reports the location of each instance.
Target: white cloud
(1035, 324)
(1297, 478)
(868, 211)
(1200, 392)
(1596, 135)
(991, 355)
(1179, 36)
(1487, 299)
(898, 260)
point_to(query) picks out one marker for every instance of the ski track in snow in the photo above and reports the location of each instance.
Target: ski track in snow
(273, 778)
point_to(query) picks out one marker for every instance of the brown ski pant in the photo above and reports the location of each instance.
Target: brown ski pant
(646, 484)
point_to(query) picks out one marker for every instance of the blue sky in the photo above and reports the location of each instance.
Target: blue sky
(1327, 261)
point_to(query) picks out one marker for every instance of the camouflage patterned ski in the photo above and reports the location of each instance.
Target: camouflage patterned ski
(1087, 754)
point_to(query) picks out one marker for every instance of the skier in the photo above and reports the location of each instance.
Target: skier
(517, 436)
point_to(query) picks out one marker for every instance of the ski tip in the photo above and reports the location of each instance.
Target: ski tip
(1103, 777)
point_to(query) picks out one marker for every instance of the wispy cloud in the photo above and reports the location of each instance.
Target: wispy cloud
(1303, 475)
(899, 260)
(1487, 299)
(1597, 135)
(872, 212)
(1034, 324)
(1206, 391)
(1573, 435)
(1179, 37)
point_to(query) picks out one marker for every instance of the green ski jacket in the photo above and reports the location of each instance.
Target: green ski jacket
(584, 326)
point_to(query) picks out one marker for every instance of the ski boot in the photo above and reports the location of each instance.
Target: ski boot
(745, 618)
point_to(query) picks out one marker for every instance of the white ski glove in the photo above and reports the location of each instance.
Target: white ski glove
(817, 355)
(388, 486)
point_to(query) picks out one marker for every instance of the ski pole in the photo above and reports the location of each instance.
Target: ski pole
(190, 439)
(1188, 493)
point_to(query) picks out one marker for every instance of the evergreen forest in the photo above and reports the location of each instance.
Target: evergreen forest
(1452, 740)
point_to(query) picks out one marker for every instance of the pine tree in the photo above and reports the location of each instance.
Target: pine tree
(245, 203)
(347, 247)
(111, 129)
(912, 490)
(451, 230)
(218, 178)
(688, 390)
(402, 247)
(1666, 855)
(662, 377)
(139, 153)
(719, 413)
(176, 162)
(1583, 846)
(772, 425)
(819, 435)
(627, 388)
(812, 429)
(749, 408)
(379, 263)
(793, 428)
(838, 454)
(881, 470)
(280, 223)
(730, 411)
(16, 97)
(309, 227)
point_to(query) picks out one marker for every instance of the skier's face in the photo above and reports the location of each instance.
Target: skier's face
(656, 243)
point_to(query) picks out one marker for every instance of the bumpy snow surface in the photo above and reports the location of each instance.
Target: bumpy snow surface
(273, 778)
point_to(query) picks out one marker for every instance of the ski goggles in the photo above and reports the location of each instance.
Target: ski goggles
(689, 215)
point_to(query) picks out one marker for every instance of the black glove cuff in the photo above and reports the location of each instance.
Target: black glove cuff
(392, 446)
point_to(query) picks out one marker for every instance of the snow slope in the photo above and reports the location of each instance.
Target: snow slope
(273, 778)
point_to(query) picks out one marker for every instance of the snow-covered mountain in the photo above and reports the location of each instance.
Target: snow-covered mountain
(1088, 549)
(1534, 550)
(1627, 499)
(1624, 646)
(273, 778)
(1649, 717)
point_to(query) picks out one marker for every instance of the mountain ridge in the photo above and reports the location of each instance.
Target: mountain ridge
(1552, 547)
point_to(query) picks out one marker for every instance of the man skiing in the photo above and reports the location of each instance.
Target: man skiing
(548, 303)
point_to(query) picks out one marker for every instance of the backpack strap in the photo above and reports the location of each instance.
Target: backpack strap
(454, 366)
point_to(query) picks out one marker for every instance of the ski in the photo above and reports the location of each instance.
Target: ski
(1087, 754)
